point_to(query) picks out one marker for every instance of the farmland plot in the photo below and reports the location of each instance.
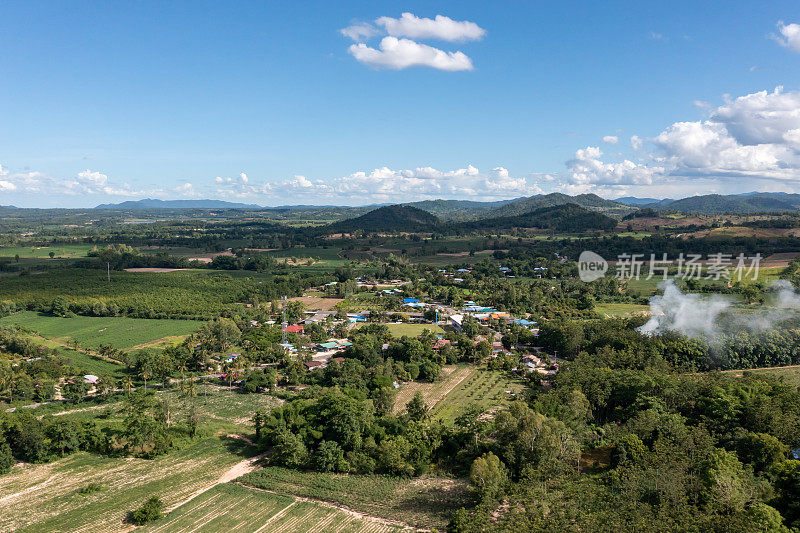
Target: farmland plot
(120, 332)
(45, 497)
(461, 387)
(433, 393)
(236, 508)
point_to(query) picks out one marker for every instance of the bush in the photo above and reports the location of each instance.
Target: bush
(152, 510)
(91, 488)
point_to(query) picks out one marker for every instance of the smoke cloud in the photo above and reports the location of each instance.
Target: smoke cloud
(711, 317)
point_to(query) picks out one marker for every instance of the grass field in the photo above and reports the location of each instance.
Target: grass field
(236, 508)
(42, 252)
(120, 332)
(412, 330)
(620, 309)
(84, 362)
(461, 387)
(421, 502)
(789, 374)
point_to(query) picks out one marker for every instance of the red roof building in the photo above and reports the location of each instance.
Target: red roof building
(295, 328)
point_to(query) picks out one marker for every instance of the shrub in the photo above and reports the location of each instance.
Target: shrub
(152, 510)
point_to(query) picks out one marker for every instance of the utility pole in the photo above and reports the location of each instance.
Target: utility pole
(285, 324)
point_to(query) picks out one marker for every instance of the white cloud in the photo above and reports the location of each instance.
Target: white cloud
(789, 36)
(388, 185)
(611, 139)
(440, 27)
(586, 168)
(748, 140)
(399, 54)
(359, 32)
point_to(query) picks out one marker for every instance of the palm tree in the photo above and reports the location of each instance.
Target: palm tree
(128, 385)
(145, 374)
(191, 392)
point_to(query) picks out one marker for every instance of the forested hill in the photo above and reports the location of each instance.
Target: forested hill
(392, 218)
(458, 209)
(717, 203)
(150, 203)
(568, 218)
(588, 201)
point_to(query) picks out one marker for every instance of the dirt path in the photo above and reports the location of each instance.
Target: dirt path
(237, 470)
(41, 485)
(338, 507)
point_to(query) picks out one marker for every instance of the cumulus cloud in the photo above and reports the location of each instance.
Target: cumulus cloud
(611, 139)
(399, 54)
(86, 182)
(789, 36)
(753, 137)
(389, 185)
(440, 27)
(360, 31)
(587, 168)
(400, 49)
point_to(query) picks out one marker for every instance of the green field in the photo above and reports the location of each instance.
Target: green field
(461, 386)
(43, 252)
(620, 309)
(412, 330)
(120, 332)
(425, 502)
(84, 362)
(233, 507)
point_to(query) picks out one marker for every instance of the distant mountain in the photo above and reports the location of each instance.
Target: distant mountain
(389, 218)
(570, 218)
(588, 201)
(636, 202)
(717, 203)
(8, 207)
(457, 209)
(150, 203)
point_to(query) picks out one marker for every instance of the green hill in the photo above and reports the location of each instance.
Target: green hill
(588, 201)
(569, 218)
(390, 218)
(717, 203)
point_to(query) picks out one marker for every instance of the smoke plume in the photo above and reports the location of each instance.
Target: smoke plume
(712, 317)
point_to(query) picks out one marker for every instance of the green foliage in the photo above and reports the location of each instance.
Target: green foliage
(150, 511)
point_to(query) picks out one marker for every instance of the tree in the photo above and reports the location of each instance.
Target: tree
(416, 408)
(488, 474)
(152, 510)
(329, 457)
(52, 254)
(6, 457)
(289, 450)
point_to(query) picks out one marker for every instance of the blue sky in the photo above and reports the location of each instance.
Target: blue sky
(110, 101)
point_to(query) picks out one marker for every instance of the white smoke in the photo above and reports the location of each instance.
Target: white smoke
(691, 315)
(708, 317)
(786, 298)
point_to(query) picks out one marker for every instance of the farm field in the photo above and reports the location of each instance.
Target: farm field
(43, 252)
(236, 508)
(87, 363)
(424, 502)
(412, 330)
(45, 497)
(314, 303)
(461, 387)
(620, 309)
(789, 374)
(120, 332)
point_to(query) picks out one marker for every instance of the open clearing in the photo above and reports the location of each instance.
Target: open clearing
(615, 309)
(461, 387)
(120, 332)
(315, 303)
(234, 507)
(42, 252)
(411, 330)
